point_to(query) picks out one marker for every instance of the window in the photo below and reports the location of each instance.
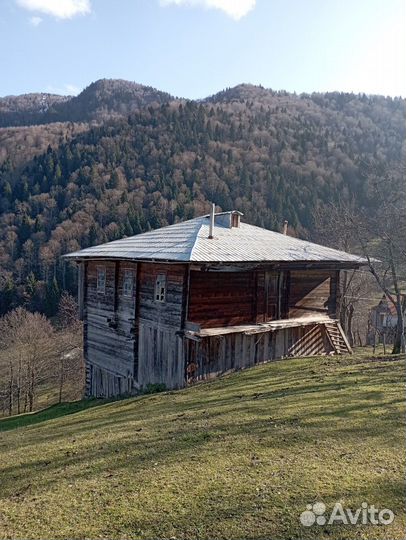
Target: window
(160, 288)
(101, 279)
(272, 296)
(128, 283)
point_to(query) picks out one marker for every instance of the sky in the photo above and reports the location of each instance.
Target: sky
(195, 48)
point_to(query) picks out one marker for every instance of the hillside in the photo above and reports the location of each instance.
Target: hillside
(271, 155)
(239, 457)
(19, 145)
(28, 108)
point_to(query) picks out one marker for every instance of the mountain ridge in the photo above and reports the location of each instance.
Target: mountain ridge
(99, 100)
(112, 98)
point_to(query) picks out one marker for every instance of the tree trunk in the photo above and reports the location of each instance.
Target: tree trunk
(10, 391)
(399, 343)
(350, 333)
(61, 381)
(342, 311)
(31, 390)
(25, 399)
(19, 377)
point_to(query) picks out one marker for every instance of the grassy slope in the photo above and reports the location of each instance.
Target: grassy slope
(239, 457)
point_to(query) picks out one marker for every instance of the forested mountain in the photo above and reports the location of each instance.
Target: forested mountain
(18, 145)
(272, 155)
(99, 101)
(28, 108)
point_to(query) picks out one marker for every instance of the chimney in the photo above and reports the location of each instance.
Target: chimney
(212, 212)
(285, 227)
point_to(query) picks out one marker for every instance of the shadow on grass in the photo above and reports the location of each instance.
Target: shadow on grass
(54, 411)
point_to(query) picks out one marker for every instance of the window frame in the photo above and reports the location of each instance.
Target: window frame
(160, 296)
(99, 270)
(128, 276)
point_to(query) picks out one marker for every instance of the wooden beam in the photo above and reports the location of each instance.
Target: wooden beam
(81, 289)
(116, 277)
(185, 298)
(137, 322)
(344, 337)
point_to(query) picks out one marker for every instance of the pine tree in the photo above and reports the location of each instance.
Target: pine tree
(52, 298)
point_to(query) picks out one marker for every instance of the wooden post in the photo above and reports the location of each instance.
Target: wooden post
(116, 278)
(81, 288)
(137, 322)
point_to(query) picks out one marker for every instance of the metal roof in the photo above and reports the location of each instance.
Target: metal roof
(188, 242)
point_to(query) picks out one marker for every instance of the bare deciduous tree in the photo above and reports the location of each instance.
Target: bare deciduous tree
(380, 236)
(37, 355)
(334, 228)
(27, 339)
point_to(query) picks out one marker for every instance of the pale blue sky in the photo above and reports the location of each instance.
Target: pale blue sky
(194, 48)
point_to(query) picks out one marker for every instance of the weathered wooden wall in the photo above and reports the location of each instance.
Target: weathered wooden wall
(312, 291)
(134, 341)
(103, 383)
(160, 348)
(231, 298)
(221, 298)
(214, 355)
(109, 318)
(271, 295)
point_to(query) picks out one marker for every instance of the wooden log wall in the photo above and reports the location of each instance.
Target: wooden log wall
(231, 298)
(312, 291)
(221, 298)
(160, 348)
(168, 312)
(161, 355)
(216, 355)
(109, 318)
(134, 340)
(271, 295)
(103, 384)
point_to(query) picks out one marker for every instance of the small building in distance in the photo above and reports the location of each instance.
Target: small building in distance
(203, 297)
(382, 323)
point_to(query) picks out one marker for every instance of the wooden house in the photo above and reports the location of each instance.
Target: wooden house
(383, 320)
(203, 297)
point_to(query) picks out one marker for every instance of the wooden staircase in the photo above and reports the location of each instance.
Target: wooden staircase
(337, 337)
(322, 339)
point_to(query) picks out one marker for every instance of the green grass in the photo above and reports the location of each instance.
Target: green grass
(239, 457)
(54, 411)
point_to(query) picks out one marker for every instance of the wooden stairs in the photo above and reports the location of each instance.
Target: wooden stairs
(322, 339)
(337, 337)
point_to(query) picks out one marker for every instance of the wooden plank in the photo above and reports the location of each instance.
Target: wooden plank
(81, 289)
(161, 355)
(310, 290)
(262, 327)
(344, 337)
(218, 298)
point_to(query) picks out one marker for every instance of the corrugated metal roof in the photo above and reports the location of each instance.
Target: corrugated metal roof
(188, 242)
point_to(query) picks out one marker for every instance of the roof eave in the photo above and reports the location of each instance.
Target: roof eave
(285, 263)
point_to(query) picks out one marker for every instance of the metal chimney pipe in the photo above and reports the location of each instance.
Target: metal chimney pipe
(285, 227)
(211, 228)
